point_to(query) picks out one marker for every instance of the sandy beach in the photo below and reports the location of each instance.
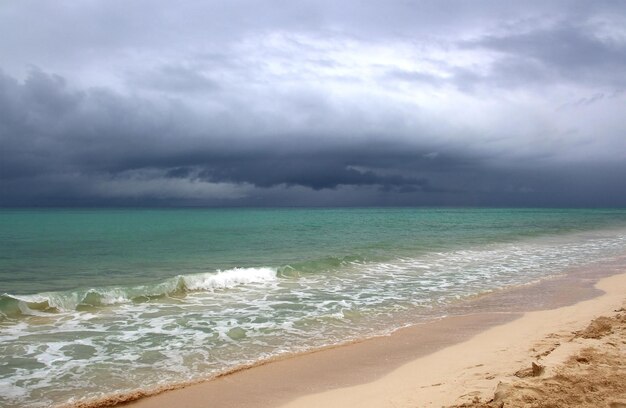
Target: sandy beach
(570, 356)
(561, 342)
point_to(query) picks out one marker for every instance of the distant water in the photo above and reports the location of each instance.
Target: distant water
(100, 301)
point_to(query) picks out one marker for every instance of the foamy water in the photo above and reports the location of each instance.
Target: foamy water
(88, 342)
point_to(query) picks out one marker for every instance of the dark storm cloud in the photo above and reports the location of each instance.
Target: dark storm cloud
(316, 171)
(312, 103)
(98, 133)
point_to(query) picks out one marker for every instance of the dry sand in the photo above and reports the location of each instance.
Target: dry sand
(460, 360)
(580, 369)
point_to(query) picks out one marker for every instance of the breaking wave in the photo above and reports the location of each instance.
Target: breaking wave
(55, 302)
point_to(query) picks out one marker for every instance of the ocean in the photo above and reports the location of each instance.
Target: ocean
(102, 301)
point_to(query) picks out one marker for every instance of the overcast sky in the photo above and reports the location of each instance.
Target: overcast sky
(287, 102)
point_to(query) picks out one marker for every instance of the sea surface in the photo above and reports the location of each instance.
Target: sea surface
(102, 301)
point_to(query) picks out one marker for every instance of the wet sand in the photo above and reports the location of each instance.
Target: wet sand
(453, 360)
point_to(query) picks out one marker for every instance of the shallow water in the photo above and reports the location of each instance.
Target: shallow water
(101, 301)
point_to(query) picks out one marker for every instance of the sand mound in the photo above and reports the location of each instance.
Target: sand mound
(598, 328)
(593, 377)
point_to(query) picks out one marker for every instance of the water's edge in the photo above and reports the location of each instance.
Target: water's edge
(470, 317)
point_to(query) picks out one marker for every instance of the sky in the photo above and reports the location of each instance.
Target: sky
(312, 103)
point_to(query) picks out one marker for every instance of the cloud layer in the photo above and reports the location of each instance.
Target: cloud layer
(313, 103)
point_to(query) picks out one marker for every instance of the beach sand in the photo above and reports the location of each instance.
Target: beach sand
(483, 358)
(566, 357)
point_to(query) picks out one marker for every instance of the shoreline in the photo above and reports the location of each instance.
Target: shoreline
(470, 373)
(336, 372)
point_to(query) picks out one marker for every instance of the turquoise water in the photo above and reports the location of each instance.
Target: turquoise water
(100, 301)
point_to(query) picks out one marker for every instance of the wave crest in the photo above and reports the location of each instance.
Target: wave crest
(12, 306)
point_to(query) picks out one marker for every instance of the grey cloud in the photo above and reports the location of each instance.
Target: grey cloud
(579, 47)
(176, 79)
(96, 131)
(312, 103)
(563, 46)
(99, 137)
(79, 147)
(415, 76)
(561, 52)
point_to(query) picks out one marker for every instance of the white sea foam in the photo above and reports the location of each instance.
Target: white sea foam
(229, 278)
(43, 303)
